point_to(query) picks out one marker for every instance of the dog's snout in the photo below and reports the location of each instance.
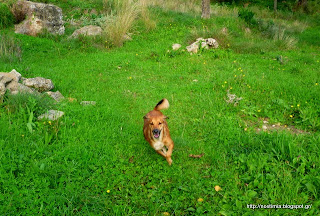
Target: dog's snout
(155, 131)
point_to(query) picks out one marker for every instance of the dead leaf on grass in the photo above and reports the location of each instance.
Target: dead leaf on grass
(196, 156)
(131, 159)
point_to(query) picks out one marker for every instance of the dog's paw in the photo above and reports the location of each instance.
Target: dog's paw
(169, 160)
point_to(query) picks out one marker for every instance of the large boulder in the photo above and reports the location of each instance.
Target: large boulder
(89, 30)
(38, 16)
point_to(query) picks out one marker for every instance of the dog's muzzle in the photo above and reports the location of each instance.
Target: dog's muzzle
(156, 133)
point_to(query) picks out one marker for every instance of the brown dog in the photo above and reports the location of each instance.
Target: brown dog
(156, 131)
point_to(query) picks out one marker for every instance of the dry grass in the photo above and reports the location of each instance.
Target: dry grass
(117, 28)
(145, 15)
(223, 10)
(193, 7)
(284, 40)
(190, 6)
(120, 21)
(291, 25)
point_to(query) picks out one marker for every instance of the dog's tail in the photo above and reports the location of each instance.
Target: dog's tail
(163, 104)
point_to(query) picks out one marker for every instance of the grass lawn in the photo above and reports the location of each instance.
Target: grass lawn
(95, 161)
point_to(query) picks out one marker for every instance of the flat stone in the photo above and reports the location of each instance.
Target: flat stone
(176, 46)
(57, 96)
(90, 30)
(51, 115)
(86, 103)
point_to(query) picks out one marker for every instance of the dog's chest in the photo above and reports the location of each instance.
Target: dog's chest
(158, 145)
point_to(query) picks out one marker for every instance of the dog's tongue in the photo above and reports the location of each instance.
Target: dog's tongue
(156, 135)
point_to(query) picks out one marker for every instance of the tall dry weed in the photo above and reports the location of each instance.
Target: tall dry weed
(122, 17)
(117, 28)
(145, 15)
(284, 40)
(190, 6)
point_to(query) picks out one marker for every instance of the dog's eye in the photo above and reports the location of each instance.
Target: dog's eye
(151, 123)
(160, 123)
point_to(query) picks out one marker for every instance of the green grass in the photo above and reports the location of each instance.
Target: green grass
(95, 161)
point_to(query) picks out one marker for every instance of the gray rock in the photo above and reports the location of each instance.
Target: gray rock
(6, 78)
(2, 89)
(176, 46)
(25, 89)
(90, 30)
(39, 83)
(12, 86)
(247, 30)
(17, 75)
(127, 37)
(193, 48)
(212, 43)
(233, 99)
(57, 96)
(51, 115)
(39, 16)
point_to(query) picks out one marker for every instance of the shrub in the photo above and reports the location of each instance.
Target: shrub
(6, 17)
(278, 34)
(269, 29)
(248, 17)
(37, 104)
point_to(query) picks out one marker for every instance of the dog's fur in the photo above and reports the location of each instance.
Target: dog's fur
(156, 131)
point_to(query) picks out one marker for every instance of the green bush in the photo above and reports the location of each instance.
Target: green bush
(248, 17)
(24, 103)
(6, 17)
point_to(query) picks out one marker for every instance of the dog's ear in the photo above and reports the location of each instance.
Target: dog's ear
(145, 117)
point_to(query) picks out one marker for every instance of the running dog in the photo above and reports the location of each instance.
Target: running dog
(156, 131)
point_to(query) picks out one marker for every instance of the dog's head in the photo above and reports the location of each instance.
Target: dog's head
(156, 125)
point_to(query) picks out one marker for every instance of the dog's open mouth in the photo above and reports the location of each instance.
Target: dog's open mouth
(156, 134)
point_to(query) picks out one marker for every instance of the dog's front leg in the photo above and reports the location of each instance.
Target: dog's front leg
(164, 150)
(160, 152)
(169, 152)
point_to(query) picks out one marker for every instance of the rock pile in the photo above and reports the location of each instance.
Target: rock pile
(15, 83)
(200, 43)
(12, 82)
